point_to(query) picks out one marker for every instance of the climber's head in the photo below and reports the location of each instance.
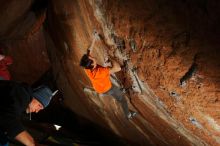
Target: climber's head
(88, 62)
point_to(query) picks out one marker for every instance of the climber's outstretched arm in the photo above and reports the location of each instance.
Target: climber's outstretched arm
(95, 38)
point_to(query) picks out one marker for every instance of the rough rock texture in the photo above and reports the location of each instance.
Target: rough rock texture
(168, 51)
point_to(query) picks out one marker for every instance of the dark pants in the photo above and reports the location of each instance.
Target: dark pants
(3, 139)
(116, 93)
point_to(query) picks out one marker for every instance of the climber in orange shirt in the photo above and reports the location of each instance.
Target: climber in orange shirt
(100, 79)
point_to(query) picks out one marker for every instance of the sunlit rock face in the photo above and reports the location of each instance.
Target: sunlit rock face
(168, 51)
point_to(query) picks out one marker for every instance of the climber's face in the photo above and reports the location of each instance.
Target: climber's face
(34, 106)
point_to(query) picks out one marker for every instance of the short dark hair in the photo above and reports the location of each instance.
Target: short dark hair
(86, 62)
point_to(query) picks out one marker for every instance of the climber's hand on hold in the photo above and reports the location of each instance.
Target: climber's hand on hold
(96, 35)
(107, 62)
